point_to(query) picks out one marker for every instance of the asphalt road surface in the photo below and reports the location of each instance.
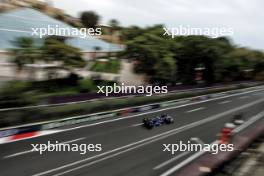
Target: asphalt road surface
(128, 149)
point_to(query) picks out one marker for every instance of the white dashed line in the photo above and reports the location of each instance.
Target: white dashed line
(224, 102)
(197, 109)
(138, 124)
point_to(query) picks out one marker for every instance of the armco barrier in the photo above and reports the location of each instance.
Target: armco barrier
(57, 124)
(9, 132)
(209, 163)
(81, 119)
(86, 118)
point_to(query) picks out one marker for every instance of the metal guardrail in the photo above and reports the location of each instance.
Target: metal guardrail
(121, 97)
(8, 131)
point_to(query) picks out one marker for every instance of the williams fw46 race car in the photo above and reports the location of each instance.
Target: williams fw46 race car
(157, 121)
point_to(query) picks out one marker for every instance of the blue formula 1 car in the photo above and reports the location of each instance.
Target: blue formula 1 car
(157, 121)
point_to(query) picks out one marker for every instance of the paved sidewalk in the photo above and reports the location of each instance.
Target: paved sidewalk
(127, 75)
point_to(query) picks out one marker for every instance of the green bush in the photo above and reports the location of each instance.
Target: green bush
(15, 87)
(86, 85)
(111, 66)
(16, 93)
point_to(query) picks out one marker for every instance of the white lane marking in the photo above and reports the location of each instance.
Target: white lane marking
(159, 136)
(112, 155)
(249, 122)
(170, 160)
(128, 147)
(196, 155)
(149, 112)
(74, 140)
(185, 162)
(243, 97)
(30, 151)
(224, 102)
(17, 154)
(197, 109)
(138, 124)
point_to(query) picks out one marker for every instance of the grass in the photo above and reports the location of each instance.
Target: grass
(110, 66)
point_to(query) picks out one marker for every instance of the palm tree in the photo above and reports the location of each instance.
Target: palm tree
(69, 57)
(25, 52)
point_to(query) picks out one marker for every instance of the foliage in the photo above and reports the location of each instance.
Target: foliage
(25, 52)
(13, 94)
(110, 66)
(114, 24)
(166, 60)
(86, 85)
(89, 19)
(55, 50)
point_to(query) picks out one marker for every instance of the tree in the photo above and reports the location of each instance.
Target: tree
(89, 19)
(69, 57)
(24, 53)
(220, 59)
(114, 24)
(153, 56)
(165, 70)
(128, 34)
(53, 50)
(192, 52)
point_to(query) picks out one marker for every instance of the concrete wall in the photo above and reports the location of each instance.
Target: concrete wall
(9, 70)
(38, 72)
